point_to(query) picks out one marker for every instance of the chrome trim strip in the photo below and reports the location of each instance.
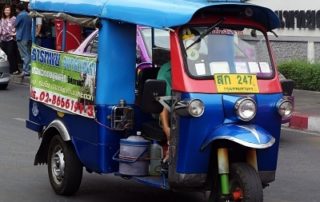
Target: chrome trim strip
(59, 125)
(244, 143)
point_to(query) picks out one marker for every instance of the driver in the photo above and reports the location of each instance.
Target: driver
(165, 74)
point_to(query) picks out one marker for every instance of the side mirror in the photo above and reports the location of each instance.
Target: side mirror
(152, 89)
(287, 86)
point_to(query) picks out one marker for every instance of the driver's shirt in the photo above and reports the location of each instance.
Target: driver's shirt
(165, 74)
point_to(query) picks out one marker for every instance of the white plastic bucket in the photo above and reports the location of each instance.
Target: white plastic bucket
(134, 156)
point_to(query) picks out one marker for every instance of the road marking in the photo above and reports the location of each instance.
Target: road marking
(20, 119)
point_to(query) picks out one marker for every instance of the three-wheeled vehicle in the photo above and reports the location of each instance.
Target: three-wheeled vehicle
(225, 106)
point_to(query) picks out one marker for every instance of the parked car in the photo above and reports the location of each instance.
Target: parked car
(4, 71)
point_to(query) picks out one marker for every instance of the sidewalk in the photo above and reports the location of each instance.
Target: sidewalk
(307, 111)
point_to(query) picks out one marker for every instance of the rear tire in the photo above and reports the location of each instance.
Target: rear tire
(64, 167)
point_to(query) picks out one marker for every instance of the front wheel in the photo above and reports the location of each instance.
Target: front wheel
(64, 167)
(245, 185)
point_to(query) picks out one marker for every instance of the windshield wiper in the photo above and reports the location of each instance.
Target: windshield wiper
(206, 32)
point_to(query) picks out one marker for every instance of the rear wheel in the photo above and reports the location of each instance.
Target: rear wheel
(245, 185)
(64, 167)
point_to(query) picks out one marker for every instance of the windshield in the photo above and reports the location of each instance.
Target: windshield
(161, 39)
(226, 51)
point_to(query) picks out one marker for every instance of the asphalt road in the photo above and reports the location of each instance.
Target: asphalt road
(297, 176)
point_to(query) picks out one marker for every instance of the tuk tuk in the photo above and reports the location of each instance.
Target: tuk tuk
(100, 111)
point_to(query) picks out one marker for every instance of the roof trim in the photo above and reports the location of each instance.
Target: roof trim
(153, 13)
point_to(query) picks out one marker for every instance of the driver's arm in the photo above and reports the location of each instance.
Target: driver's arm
(164, 117)
(165, 74)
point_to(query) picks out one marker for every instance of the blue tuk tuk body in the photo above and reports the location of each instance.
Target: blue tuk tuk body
(95, 144)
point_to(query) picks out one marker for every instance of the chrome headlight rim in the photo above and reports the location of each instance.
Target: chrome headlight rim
(279, 108)
(238, 112)
(190, 108)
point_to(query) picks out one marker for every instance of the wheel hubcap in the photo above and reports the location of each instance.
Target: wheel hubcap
(57, 165)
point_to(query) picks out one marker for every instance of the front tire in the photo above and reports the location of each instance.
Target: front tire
(245, 183)
(64, 167)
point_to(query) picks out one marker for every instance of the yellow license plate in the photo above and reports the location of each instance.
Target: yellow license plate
(236, 83)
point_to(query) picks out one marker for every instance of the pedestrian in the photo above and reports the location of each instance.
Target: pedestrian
(7, 35)
(23, 28)
(39, 30)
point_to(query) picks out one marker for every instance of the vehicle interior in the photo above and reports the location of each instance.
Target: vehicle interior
(146, 84)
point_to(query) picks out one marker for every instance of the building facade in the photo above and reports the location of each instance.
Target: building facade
(299, 35)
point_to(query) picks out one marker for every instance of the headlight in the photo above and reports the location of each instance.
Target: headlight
(196, 108)
(285, 108)
(193, 108)
(246, 109)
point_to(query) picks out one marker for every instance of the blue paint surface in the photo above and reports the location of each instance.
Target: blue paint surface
(269, 119)
(153, 181)
(193, 132)
(116, 63)
(94, 143)
(247, 135)
(153, 13)
(218, 113)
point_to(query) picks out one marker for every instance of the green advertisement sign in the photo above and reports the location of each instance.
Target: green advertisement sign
(63, 80)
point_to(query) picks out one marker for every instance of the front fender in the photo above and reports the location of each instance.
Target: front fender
(251, 136)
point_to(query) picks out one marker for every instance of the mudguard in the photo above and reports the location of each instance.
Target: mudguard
(251, 136)
(61, 128)
(41, 156)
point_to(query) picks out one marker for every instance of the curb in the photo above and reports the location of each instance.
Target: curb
(305, 122)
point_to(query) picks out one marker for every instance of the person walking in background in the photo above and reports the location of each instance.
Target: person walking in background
(7, 35)
(38, 30)
(23, 28)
